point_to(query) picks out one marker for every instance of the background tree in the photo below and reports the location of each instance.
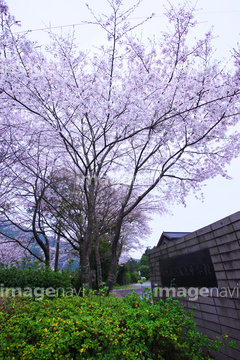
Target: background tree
(143, 265)
(133, 265)
(144, 258)
(10, 252)
(25, 217)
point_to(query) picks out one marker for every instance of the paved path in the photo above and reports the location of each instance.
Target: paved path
(127, 291)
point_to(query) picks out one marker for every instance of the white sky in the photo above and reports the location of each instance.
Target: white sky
(222, 197)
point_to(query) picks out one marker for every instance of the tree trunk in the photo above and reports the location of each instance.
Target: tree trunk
(86, 243)
(98, 264)
(115, 258)
(57, 252)
(111, 273)
(85, 267)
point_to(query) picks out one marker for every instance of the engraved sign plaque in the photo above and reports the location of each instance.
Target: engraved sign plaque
(189, 270)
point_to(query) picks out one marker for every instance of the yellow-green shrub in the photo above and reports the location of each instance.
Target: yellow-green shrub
(95, 327)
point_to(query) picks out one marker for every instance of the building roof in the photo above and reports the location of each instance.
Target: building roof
(168, 236)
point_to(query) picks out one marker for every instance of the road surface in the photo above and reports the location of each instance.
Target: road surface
(127, 291)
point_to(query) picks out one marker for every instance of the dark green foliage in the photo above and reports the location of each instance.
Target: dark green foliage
(144, 258)
(105, 257)
(122, 275)
(37, 276)
(128, 278)
(98, 328)
(144, 269)
(133, 265)
(134, 277)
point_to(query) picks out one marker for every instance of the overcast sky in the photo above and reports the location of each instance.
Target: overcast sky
(221, 197)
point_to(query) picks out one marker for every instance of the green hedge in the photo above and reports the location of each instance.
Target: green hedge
(101, 328)
(35, 277)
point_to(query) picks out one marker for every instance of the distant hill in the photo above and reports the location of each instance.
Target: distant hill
(10, 230)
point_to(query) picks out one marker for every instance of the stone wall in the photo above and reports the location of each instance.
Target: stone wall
(218, 311)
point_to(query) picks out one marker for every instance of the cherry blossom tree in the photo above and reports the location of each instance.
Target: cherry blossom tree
(22, 208)
(157, 119)
(64, 201)
(10, 254)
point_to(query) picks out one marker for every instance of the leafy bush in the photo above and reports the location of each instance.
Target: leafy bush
(134, 277)
(38, 276)
(144, 269)
(101, 328)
